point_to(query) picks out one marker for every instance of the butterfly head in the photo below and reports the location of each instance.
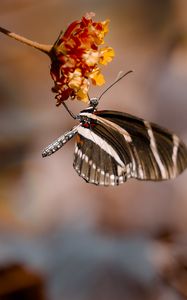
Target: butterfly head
(92, 106)
(94, 102)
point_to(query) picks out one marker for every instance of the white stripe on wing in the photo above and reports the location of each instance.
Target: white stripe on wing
(90, 135)
(155, 150)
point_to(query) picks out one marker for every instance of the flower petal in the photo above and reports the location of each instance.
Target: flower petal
(97, 78)
(91, 57)
(106, 55)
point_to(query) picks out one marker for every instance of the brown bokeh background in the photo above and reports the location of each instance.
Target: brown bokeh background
(92, 242)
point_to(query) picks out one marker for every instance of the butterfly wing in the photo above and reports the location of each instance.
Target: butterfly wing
(96, 159)
(117, 146)
(156, 153)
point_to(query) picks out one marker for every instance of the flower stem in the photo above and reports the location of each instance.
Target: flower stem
(44, 48)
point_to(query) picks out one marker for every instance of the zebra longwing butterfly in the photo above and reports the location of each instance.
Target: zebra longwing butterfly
(112, 147)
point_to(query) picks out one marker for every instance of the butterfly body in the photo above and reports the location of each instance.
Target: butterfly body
(112, 147)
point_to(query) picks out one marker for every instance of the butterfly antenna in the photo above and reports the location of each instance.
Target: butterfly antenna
(68, 110)
(119, 77)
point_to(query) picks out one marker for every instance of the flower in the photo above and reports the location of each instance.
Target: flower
(76, 59)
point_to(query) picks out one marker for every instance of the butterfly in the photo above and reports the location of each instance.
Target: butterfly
(113, 146)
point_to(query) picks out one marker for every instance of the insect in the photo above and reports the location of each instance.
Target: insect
(113, 146)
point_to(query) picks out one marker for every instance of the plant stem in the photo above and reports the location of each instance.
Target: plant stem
(44, 48)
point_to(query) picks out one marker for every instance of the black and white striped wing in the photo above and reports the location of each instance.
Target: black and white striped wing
(101, 154)
(96, 165)
(156, 153)
(117, 146)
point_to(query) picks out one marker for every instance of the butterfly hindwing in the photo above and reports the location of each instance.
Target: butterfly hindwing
(96, 160)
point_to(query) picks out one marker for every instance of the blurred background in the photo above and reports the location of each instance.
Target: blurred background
(63, 239)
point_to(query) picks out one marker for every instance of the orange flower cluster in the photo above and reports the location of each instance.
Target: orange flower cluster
(76, 57)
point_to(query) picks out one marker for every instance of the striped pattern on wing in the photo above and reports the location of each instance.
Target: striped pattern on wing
(97, 166)
(156, 154)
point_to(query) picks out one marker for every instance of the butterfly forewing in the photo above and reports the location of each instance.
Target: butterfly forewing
(157, 153)
(116, 146)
